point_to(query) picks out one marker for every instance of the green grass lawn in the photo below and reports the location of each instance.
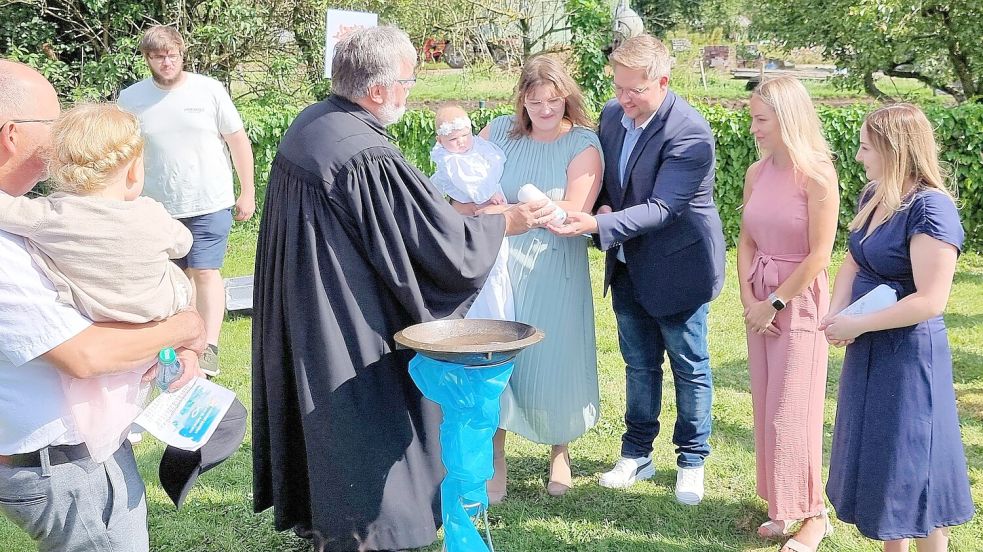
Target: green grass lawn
(496, 86)
(218, 514)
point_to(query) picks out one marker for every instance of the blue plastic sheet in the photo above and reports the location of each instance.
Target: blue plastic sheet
(469, 398)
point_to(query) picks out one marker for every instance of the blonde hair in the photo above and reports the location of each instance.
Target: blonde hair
(161, 38)
(89, 143)
(802, 133)
(544, 70)
(448, 112)
(643, 52)
(905, 140)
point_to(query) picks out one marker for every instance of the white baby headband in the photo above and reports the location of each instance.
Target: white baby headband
(448, 128)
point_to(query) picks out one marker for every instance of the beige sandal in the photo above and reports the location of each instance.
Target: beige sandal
(776, 529)
(796, 546)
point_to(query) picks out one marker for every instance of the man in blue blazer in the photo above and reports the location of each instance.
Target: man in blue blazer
(657, 220)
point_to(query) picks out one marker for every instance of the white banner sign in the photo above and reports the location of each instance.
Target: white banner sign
(338, 24)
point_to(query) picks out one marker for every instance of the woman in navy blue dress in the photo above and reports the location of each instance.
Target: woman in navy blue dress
(897, 466)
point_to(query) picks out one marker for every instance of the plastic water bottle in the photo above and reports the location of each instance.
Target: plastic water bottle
(529, 192)
(168, 368)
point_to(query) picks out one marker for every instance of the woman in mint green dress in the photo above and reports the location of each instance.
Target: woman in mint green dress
(552, 397)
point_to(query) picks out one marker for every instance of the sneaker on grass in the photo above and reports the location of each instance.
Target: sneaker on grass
(208, 361)
(627, 472)
(689, 485)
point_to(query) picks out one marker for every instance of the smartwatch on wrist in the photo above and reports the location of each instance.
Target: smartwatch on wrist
(776, 302)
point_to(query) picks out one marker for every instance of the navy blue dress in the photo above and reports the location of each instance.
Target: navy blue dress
(897, 467)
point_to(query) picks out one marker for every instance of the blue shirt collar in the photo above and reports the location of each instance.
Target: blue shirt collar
(629, 123)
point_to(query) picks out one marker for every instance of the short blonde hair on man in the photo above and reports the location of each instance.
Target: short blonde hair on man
(89, 143)
(161, 38)
(643, 52)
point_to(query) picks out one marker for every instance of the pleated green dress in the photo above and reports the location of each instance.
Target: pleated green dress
(552, 397)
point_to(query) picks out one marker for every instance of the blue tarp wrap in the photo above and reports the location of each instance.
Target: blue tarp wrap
(469, 398)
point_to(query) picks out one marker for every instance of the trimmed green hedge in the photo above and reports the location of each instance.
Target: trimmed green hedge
(959, 131)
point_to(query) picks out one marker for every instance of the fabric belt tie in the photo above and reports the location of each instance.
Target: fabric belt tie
(764, 270)
(58, 454)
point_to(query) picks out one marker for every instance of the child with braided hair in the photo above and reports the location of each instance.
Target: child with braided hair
(106, 250)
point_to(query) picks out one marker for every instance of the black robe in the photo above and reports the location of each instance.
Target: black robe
(355, 244)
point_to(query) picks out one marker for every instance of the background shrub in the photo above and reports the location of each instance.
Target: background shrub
(959, 131)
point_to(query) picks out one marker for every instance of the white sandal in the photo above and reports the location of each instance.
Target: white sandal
(796, 546)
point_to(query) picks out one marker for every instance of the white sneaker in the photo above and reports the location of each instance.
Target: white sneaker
(689, 485)
(627, 472)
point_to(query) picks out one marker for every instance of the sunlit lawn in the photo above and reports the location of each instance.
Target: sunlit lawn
(218, 515)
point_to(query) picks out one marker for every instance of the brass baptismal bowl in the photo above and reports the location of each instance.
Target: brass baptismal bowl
(472, 342)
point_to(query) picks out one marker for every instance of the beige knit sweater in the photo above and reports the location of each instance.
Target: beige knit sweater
(110, 258)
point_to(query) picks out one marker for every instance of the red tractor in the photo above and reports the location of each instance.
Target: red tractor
(434, 49)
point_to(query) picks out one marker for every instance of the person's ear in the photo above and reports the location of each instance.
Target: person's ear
(377, 94)
(8, 139)
(134, 172)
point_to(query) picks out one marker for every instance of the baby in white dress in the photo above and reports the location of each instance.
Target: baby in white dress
(468, 171)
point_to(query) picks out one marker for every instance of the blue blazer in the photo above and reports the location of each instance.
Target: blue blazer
(664, 214)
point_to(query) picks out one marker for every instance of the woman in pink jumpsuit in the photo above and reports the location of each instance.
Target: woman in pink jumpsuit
(791, 204)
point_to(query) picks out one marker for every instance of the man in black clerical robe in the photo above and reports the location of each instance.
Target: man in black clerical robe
(355, 244)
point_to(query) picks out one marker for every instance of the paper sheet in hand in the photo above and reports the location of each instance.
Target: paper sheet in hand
(186, 418)
(879, 298)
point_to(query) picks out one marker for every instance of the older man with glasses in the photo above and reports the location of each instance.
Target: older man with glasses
(657, 220)
(191, 129)
(50, 486)
(356, 244)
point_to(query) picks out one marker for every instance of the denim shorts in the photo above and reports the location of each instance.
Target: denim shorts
(211, 238)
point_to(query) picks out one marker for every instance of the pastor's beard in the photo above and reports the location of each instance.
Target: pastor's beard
(389, 114)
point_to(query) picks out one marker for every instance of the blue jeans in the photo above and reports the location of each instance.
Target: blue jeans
(644, 340)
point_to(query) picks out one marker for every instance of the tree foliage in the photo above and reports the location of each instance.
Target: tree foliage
(270, 48)
(933, 41)
(87, 48)
(590, 33)
(661, 16)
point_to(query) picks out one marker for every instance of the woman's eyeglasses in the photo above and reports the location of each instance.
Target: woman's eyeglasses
(552, 103)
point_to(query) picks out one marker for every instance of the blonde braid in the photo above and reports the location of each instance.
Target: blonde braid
(89, 143)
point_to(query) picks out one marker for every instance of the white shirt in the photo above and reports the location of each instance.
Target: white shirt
(33, 409)
(188, 168)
